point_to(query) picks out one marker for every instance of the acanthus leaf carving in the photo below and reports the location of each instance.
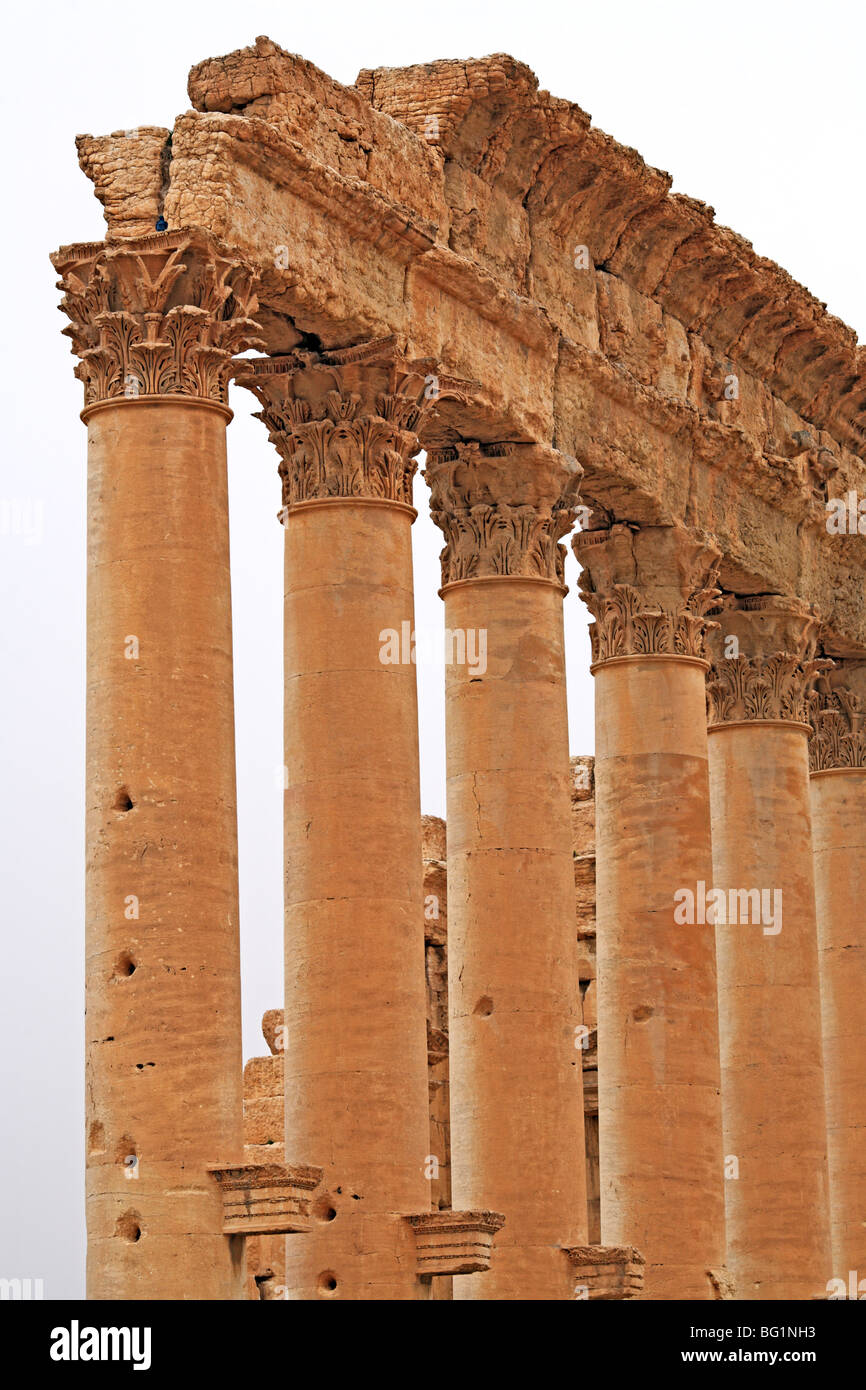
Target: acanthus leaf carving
(661, 608)
(838, 737)
(764, 664)
(758, 688)
(160, 315)
(343, 422)
(503, 510)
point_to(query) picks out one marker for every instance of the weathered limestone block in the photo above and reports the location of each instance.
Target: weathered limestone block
(435, 946)
(264, 1120)
(472, 102)
(129, 170)
(307, 107)
(487, 225)
(636, 333)
(332, 253)
(263, 1076)
(274, 1032)
(574, 218)
(433, 850)
(514, 356)
(583, 841)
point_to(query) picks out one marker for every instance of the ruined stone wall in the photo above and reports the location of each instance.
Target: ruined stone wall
(436, 966)
(583, 832)
(264, 1142)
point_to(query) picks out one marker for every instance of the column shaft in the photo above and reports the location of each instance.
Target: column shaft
(838, 795)
(513, 990)
(516, 1084)
(773, 1097)
(356, 1061)
(660, 1131)
(839, 832)
(356, 1044)
(162, 956)
(660, 1136)
(769, 1001)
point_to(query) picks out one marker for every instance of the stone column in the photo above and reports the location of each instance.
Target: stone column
(514, 1003)
(356, 1050)
(660, 1131)
(764, 911)
(838, 784)
(155, 322)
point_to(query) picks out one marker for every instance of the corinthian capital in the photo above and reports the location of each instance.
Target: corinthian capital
(158, 315)
(763, 660)
(837, 713)
(648, 589)
(502, 509)
(344, 422)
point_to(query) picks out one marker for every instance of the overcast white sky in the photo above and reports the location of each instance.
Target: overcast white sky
(757, 108)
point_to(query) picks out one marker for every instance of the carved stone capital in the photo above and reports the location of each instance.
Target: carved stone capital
(837, 713)
(763, 660)
(159, 315)
(344, 422)
(502, 509)
(648, 589)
